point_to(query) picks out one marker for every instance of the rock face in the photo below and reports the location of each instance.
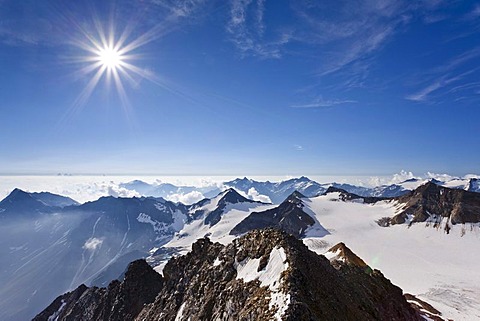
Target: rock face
(119, 301)
(230, 196)
(264, 275)
(25, 205)
(347, 196)
(474, 185)
(53, 199)
(91, 243)
(277, 192)
(341, 253)
(433, 203)
(288, 216)
(20, 204)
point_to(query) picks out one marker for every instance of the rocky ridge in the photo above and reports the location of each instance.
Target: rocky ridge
(348, 196)
(264, 275)
(119, 301)
(341, 253)
(230, 196)
(288, 216)
(435, 204)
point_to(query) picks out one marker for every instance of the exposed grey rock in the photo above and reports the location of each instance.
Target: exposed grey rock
(23, 205)
(205, 285)
(433, 203)
(277, 192)
(288, 216)
(230, 196)
(347, 196)
(119, 301)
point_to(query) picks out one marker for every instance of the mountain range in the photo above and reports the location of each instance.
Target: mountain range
(54, 246)
(264, 275)
(277, 192)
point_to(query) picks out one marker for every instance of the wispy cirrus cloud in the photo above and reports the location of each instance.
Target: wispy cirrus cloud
(458, 60)
(30, 30)
(342, 36)
(180, 8)
(320, 102)
(246, 28)
(423, 94)
(445, 76)
(48, 25)
(298, 147)
(474, 13)
(352, 33)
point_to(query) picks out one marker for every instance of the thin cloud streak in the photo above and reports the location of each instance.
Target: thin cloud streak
(350, 36)
(250, 39)
(179, 8)
(345, 42)
(320, 102)
(442, 76)
(423, 94)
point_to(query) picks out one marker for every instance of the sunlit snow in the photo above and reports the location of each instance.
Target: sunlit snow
(424, 261)
(270, 276)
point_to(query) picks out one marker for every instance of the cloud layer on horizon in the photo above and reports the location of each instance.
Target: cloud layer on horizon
(90, 188)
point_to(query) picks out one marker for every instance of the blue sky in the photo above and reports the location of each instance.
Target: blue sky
(242, 87)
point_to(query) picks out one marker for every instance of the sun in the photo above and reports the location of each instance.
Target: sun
(110, 58)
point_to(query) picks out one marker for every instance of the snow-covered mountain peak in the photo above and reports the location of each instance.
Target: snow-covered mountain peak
(474, 185)
(289, 216)
(24, 204)
(54, 199)
(231, 196)
(224, 198)
(341, 253)
(18, 195)
(213, 210)
(277, 192)
(295, 197)
(439, 206)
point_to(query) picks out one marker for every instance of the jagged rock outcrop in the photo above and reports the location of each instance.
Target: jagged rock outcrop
(264, 275)
(21, 204)
(58, 306)
(474, 185)
(341, 254)
(119, 301)
(288, 216)
(424, 308)
(347, 196)
(230, 196)
(433, 203)
(278, 191)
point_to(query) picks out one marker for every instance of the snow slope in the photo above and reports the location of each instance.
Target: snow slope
(198, 228)
(437, 267)
(270, 276)
(220, 232)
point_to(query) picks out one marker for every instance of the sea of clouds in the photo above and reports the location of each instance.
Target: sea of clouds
(90, 188)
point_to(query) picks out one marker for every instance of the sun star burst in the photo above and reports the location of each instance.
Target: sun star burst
(110, 58)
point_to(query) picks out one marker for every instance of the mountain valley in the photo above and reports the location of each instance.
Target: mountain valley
(53, 244)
